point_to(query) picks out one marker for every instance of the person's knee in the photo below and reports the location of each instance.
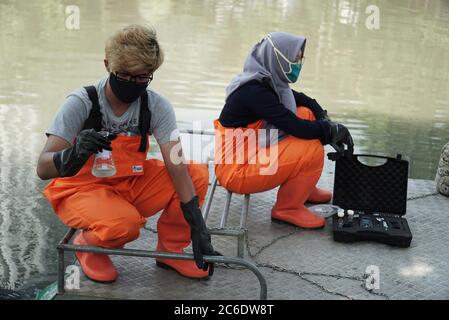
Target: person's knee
(307, 154)
(316, 158)
(131, 226)
(124, 230)
(200, 178)
(305, 113)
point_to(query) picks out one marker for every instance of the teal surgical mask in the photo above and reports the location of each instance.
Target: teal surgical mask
(292, 74)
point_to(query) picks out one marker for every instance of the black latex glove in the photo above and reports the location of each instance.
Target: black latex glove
(340, 136)
(69, 161)
(201, 240)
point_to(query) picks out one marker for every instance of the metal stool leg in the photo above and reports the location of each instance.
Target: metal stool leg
(244, 212)
(242, 237)
(209, 198)
(225, 214)
(241, 245)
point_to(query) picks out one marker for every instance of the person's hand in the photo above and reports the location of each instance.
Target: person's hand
(340, 136)
(68, 162)
(324, 116)
(200, 236)
(90, 141)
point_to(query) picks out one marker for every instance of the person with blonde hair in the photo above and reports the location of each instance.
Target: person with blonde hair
(119, 113)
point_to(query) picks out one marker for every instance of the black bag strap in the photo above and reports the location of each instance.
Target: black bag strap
(144, 121)
(95, 118)
(94, 121)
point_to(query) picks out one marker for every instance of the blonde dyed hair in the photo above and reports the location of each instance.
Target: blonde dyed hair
(134, 48)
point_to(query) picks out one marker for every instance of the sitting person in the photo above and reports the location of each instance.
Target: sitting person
(260, 99)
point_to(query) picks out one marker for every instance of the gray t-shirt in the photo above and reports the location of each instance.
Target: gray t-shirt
(71, 116)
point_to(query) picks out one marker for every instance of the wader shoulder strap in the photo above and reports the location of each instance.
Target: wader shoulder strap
(95, 118)
(144, 121)
(94, 121)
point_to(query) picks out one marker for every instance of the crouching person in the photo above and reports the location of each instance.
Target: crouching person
(110, 211)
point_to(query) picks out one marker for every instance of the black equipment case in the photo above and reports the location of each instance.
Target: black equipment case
(376, 194)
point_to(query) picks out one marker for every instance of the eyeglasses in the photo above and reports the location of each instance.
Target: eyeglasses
(141, 78)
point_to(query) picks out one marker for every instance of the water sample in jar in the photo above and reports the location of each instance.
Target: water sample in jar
(104, 163)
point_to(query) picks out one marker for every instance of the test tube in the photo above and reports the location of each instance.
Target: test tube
(350, 215)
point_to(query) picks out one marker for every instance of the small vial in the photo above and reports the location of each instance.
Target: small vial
(340, 215)
(350, 215)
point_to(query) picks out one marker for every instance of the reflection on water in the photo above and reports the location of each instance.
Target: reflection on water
(390, 86)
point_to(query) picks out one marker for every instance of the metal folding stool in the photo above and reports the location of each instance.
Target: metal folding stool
(240, 233)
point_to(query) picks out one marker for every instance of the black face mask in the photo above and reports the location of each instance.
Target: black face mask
(126, 91)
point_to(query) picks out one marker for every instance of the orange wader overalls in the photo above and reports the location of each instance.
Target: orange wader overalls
(296, 169)
(112, 210)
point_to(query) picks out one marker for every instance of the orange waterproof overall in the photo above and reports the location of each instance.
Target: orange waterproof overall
(114, 209)
(296, 168)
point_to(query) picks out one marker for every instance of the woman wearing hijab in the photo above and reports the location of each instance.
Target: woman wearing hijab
(260, 98)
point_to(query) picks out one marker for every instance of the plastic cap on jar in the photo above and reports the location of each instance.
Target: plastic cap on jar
(341, 213)
(350, 212)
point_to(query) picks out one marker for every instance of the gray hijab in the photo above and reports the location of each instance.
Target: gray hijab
(263, 65)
